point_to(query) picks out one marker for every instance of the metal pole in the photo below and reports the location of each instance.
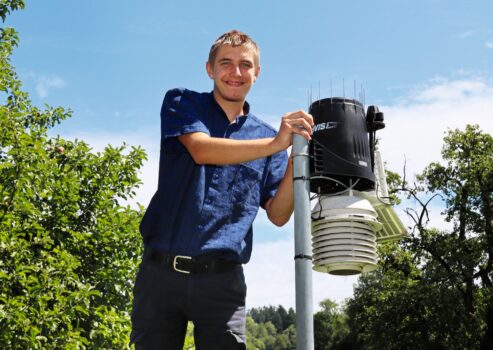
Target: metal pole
(302, 245)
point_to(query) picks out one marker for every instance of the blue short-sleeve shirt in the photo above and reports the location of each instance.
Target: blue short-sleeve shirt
(208, 210)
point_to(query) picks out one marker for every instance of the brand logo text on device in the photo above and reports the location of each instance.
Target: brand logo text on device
(325, 126)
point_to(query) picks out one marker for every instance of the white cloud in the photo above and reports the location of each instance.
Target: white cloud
(45, 83)
(415, 126)
(489, 44)
(449, 91)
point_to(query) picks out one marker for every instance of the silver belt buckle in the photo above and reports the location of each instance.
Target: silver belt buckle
(175, 261)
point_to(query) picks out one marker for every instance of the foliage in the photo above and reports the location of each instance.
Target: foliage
(271, 328)
(277, 315)
(189, 339)
(274, 328)
(331, 328)
(401, 307)
(68, 248)
(264, 336)
(6, 6)
(394, 183)
(435, 290)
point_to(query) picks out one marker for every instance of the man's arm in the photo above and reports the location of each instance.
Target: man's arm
(280, 207)
(212, 150)
(218, 151)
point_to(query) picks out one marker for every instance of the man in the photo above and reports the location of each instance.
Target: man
(218, 164)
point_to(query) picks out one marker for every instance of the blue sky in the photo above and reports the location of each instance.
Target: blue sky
(118, 58)
(426, 63)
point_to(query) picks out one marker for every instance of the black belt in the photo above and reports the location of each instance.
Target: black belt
(187, 264)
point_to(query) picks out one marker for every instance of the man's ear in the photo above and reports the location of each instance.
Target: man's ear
(257, 72)
(210, 71)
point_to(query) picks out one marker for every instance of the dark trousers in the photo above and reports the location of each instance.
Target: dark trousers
(165, 300)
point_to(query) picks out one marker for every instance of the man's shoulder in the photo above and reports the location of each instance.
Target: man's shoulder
(186, 94)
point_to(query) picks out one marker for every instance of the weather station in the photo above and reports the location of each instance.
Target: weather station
(342, 173)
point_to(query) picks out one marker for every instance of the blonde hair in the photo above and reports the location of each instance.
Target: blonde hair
(234, 38)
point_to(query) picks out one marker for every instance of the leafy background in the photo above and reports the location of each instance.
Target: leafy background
(69, 245)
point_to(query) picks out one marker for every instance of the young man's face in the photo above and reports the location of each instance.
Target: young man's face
(234, 71)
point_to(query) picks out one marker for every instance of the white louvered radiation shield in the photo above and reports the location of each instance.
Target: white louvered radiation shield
(344, 236)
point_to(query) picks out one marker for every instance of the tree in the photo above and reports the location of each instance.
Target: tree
(467, 183)
(278, 316)
(264, 335)
(400, 308)
(331, 328)
(435, 290)
(68, 248)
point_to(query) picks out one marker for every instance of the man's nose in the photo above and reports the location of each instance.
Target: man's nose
(236, 71)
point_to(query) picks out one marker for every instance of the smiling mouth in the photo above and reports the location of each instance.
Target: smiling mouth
(234, 83)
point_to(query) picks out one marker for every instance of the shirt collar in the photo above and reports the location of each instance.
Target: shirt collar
(246, 108)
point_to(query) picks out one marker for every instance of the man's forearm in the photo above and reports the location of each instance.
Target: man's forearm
(280, 207)
(211, 150)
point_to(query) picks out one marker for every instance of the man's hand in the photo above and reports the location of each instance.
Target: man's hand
(298, 122)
